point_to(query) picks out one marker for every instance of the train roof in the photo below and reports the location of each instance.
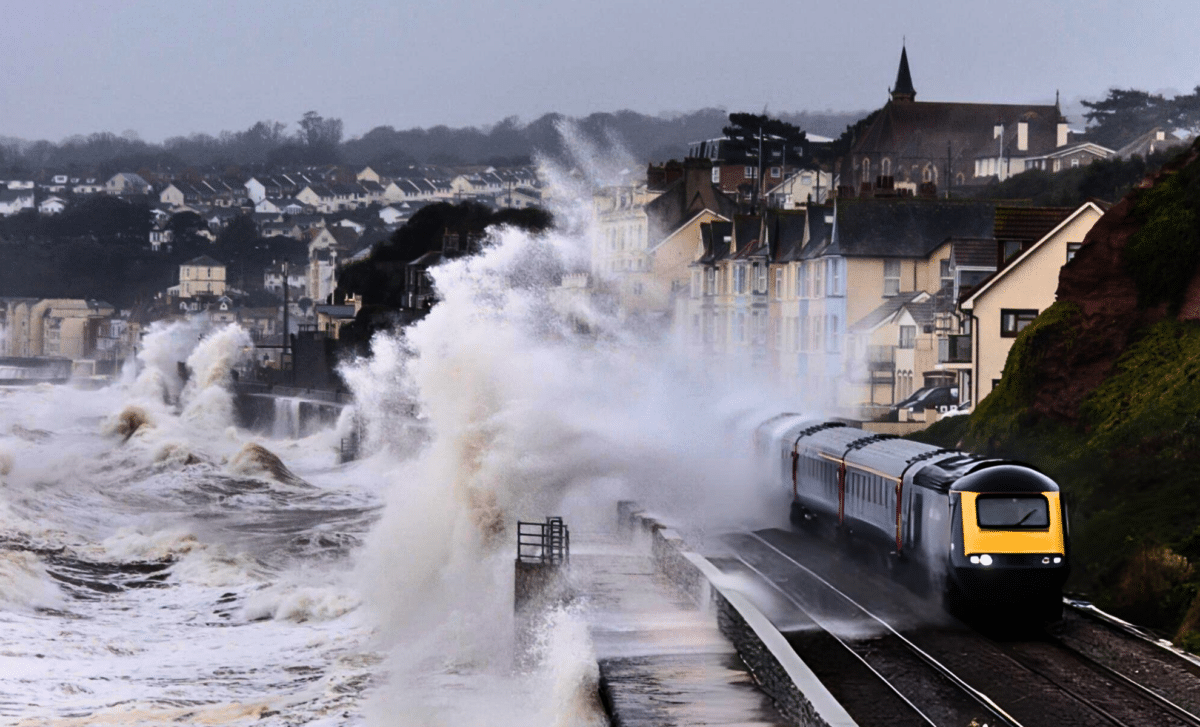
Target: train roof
(931, 466)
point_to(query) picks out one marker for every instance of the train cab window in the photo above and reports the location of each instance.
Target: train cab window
(1009, 512)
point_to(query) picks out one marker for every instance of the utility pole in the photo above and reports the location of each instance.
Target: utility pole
(284, 350)
(948, 177)
(758, 182)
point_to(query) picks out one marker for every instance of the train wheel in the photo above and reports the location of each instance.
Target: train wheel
(1051, 610)
(953, 599)
(799, 514)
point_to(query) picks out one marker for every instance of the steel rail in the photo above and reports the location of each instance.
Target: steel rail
(838, 639)
(984, 700)
(1180, 712)
(1169, 706)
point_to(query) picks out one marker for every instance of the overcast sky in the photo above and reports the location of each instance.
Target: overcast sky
(174, 68)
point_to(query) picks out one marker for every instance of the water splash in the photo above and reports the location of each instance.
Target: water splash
(524, 414)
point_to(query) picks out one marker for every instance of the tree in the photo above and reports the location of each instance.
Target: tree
(320, 137)
(779, 142)
(1123, 114)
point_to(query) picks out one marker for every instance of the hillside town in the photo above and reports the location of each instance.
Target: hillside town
(885, 277)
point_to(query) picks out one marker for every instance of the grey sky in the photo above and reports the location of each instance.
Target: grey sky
(173, 68)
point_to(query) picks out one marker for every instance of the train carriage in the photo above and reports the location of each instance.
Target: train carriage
(993, 532)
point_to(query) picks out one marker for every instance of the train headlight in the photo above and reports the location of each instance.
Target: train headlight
(1057, 559)
(985, 559)
(975, 559)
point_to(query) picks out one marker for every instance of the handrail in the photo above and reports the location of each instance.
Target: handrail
(546, 542)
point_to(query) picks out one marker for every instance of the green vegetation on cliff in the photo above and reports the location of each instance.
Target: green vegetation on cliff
(1162, 256)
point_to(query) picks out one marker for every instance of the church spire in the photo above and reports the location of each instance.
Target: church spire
(903, 90)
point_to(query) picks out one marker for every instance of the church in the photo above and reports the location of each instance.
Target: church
(932, 146)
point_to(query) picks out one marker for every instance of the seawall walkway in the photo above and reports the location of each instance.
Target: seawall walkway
(663, 661)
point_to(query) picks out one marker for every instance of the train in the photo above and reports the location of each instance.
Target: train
(993, 534)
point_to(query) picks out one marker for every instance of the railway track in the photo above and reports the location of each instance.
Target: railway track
(946, 674)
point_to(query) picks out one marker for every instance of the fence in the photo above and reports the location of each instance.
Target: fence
(547, 542)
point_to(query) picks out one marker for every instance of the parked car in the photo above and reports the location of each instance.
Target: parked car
(939, 398)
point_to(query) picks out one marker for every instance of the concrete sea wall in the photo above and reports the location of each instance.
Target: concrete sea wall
(796, 691)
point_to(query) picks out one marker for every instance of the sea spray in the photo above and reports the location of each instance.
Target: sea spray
(525, 415)
(164, 346)
(25, 584)
(206, 399)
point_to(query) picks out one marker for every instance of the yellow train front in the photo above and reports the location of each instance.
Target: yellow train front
(1008, 540)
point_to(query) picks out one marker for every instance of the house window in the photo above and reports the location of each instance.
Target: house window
(801, 280)
(817, 289)
(834, 277)
(944, 272)
(908, 336)
(695, 283)
(806, 179)
(760, 278)
(751, 172)
(775, 172)
(716, 175)
(1011, 248)
(1013, 321)
(1072, 249)
(779, 283)
(1074, 162)
(711, 279)
(739, 279)
(891, 278)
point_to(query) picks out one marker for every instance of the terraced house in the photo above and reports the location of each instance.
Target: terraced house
(842, 303)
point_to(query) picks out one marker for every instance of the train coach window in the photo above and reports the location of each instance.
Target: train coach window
(1003, 512)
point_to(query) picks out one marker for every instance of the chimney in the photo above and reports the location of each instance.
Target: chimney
(1022, 136)
(997, 130)
(1062, 134)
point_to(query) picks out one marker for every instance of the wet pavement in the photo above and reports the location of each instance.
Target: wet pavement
(662, 660)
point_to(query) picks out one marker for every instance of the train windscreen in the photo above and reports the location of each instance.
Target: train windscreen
(1009, 512)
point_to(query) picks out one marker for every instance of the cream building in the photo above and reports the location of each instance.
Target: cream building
(1004, 304)
(200, 276)
(57, 327)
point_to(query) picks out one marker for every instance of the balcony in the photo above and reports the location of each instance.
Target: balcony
(881, 358)
(954, 349)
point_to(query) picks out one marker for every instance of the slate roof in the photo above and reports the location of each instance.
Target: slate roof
(904, 84)
(713, 235)
(911, 228)
(886, 310)
(8, 195)
(1029, 223)
(745, 235)
(922, 129)
(205, 261)
(678, 204)
(785, 231)
(973, 252)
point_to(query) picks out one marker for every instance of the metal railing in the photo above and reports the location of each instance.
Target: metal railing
(955, 348)
(547, 542)
(881, 358)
